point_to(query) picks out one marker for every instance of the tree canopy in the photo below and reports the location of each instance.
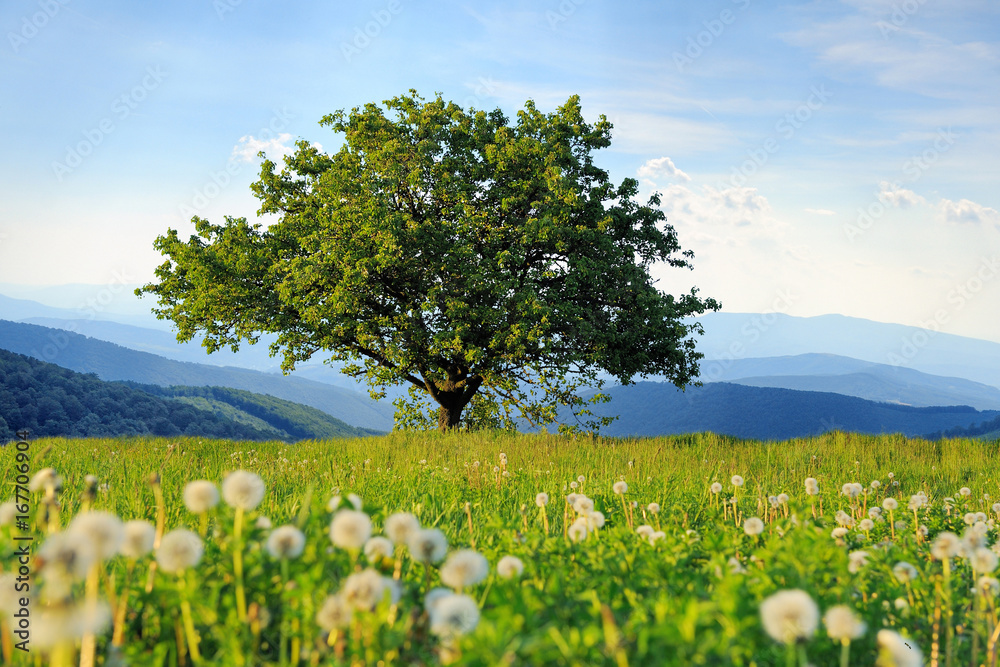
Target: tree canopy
(486, 263)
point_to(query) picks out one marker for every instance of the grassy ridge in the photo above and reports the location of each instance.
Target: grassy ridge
(611, 599)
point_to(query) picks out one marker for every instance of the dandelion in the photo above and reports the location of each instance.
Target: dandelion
(179, 550)
(570, 499)
(595, 520)
(996, 508)
(350, 529)
(866, 525)
(573, 485)
(898, 652)
(620, 487)
(510, 567)
(965, 491)
(263, 523)
(716, 487)
(286, 542)
(45, 479)
(364, 590)
(737, 481)
(8, 513)
(400, 527)
(243, 490)
(428, 545)
(753, 526)
(789, 616)
(856, 560)
(839, 532)
(812, 486)
(904, 572)
(542, 499)
(581, 479)
(463, 568)
(983, 560)
(65, 623)
(875, 513)
(644, 530)
(653, 508)
(843, 625)
(947, 545)
(378, 548)
(583, 505)
(782, 498)
(454, 615)
(890, 504)
(335, 613)
(988, 586)
(875, 484)
(578, 531)
(138, 539)
(200, 496)
(64, 558)
(104, 530)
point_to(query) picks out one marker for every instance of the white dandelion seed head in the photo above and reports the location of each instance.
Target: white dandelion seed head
(875, 484)
(573, 485)
(335, 613)
(577, 532)
(428, 545)
(139, 536)
(972, 539)
(583, 504)
(434, 596)
(891, 475)
(595, 520)
(946, 545)
(64, 558)
(838, 532)
(364, 590)
(737, 480)
(735, 566)
(716, 487)
(570, 499)
(866, 525)
(45, 479)
(378, 548)
(917, 501)
(401, 526)
(104, 530)
(969, 518)
(996, 508)
(179, 550)
(453, 616)
(753, 526)
(68, 622)
(263, 523)
(8, 513)
(773, 501)
(983, 560)
(965, 491)
(988, 586)
(200, 496)
(286, 542)
(901, 604)
(644, 530)
(464, 567)
(510, 567)
(789, 616)
(904, 572)
(243, 490)
(542, 499)
(902, 652)
(350, 529)
(782, 498)
(875, 513)
(842, 624)
(844, 519)
(856, 560)
(581, 479)
(653, 508)
(656, 536)
(620, 487)
(890, 504)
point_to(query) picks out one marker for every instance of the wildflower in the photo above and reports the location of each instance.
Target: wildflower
(988, 586)
(904, 572)
(243, 490)
(542, 499)
(138, 539)
(735, 566)
(577, 531)
(789, 615)
(583, 504)
(838, 532)
(844, 519)
(179, 550)
(581, 479)
(644, 530)
(620, 488)
(996, 508)
(573, 485)
(875, 513)
(400, 527)
(286, 542)
(890, 504)
(716, 487)
(983, 560)
(856, 560)
(510, 567)
(377, 548)
(753, 526)
(570, 499)
(917, 501)
(65, 622)
(812, 486)
(902, 653)
(653, 508)
(737, 480)
(350, 529)
(849, 490)
(782, 498)
(8, 512)
(946, 545)
(595, 520)
(335, 613)
(200, 496)
(656, 536)
(866, 525)
(965, 491)
(842, 624)
(104, 530)
(65, 557)
(875, 484)
(263, 523)
(464, 568)
(364, 590)
(45, 479)
(428, 545)
(454, 615)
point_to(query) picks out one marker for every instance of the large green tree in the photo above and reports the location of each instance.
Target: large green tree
(474, 258)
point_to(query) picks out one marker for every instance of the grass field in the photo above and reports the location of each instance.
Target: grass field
(686, 589)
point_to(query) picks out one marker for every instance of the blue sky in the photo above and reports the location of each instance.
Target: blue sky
(818, 157)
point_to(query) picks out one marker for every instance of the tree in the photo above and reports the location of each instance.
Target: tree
(476, 259)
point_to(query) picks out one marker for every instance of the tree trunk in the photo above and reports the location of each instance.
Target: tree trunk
(448, 418)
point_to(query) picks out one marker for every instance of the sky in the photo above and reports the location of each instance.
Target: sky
(835, 156)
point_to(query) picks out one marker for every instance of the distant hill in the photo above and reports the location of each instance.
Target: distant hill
(49, 400)
(652, 408)
(113, 362)
(853, 377)
(741, 336)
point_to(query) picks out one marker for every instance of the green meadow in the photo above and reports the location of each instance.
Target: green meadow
(658, 570)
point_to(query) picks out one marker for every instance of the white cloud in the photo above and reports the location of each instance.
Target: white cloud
(899, 197)
(820, 211)
(662, 167)
(732, 207)
(275, 147)
(964, 211)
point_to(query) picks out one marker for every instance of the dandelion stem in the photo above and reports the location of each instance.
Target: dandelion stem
(241, 600)
(88, 645)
